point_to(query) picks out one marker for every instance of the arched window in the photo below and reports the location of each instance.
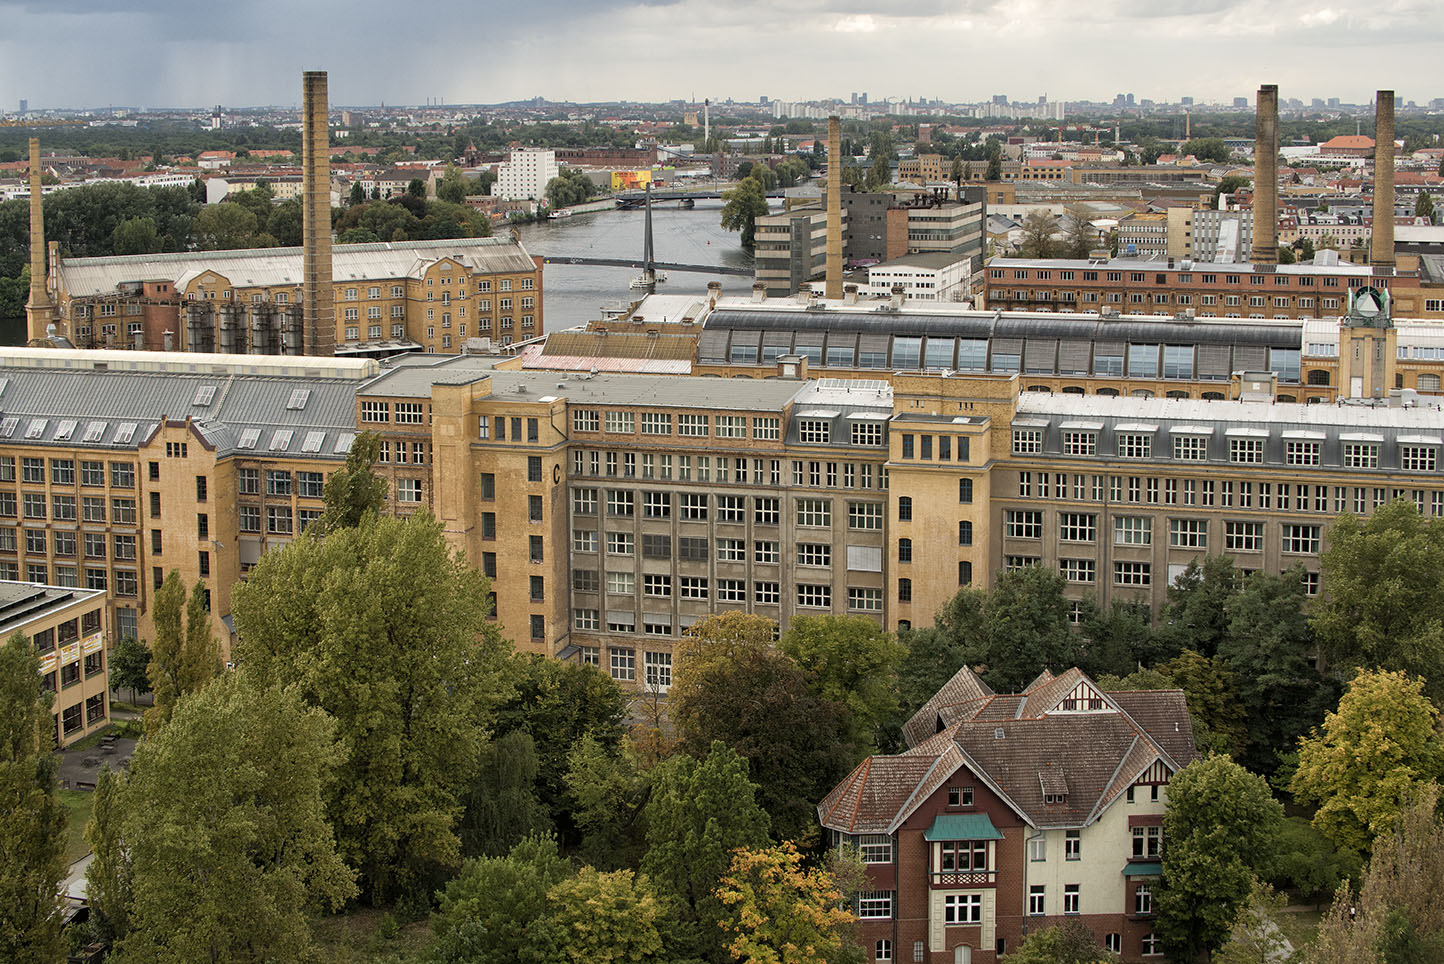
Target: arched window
(904, 509)
(904, 550)
(1213, 396)
(904, 590)
(965, 533)
(965, 573)
(1318, 376)
(1287, 398)
(1177, 394)
(1428, 383)
(1073, 390)
(1108, 392)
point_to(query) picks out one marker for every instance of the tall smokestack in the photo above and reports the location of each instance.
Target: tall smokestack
(39, 312)
(1266, 178)
(319, 317)
(1382, 243)
(833, 288)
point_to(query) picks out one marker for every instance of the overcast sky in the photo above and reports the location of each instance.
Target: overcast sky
(96, 53)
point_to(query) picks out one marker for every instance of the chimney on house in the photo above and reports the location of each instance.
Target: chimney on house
(1266, 177)
(833, 289)
(319, 311)
(1381, 248)
(39, 312)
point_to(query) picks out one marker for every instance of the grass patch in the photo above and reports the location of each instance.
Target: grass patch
(1300, 927)
(356, 938)
(118, 705)
(78, 804)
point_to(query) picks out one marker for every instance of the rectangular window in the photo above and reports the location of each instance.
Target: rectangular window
(814, 513)
(1077, 527)
(1246, 450)
(766, 429)
(623, 423)
(864, 516)
(1301, 539)
(814, 596)
(1133, 446)
(1023, 524)
(1132, 574)
(1361, 455)
(1302, 453)
(1036, 900)
(1078, 570)
(768, 593)
(1132, 530)
(1071, 898)
(1243, 536)
(1190, 448)
(874, 905)
(1080, 443)
(1418, 458)
(656, 423)
(963, 909)
(1188, 533)
(623, 664)
(692, 425)
(1027, 441)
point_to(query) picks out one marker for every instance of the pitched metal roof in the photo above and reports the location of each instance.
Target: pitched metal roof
(275, 267)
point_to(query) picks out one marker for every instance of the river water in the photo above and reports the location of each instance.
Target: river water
(575, 294)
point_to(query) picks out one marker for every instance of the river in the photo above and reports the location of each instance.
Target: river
(574, 294)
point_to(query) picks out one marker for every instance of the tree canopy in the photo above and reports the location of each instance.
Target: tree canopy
(354, 489)
(852, 661)
(32, 828)
(1371, 755)
(779, 912)
(385, 628)
(225, 832)
(1212, 852)
(745, 203)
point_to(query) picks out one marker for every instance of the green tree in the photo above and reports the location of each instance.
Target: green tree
(700, 811)
(782, 913)
(358, 195)
(1381, 744)
(416, 188)
(879, 174)
(1424, 207)
(1026, 629)
(1309, 863)
(745, 203)
(956, 173)
(452, 186)
(1210, 688)
(598, 918)
(225, 226)
(225, 831)
(135, 236)
(1271, 649)
(200, 653)
(1071, 943)
(1116, 640)
(491, 912)
(558, 703)
(852, 661)
(109, 881)
(569, 187)
(385, 628)
(128, 663)
(932, 657)
(354, 490)
(1039, 228)
(1228, 185)
(1286, 254)
(606, 790)
(1196, 616)
(1207, 149)
(762, 705)
(166, 650)
(32, 832)
(284, 223)
(1213, 853)
(1385, 605)
(995, 167)
(501, 805)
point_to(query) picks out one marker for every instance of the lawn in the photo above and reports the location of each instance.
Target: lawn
(1300, 927)
(77, 805)
(356, 938)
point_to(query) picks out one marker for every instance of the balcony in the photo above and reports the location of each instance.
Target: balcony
(964, 878)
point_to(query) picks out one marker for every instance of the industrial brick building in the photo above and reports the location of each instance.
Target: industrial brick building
(388, 297)
(68, 628)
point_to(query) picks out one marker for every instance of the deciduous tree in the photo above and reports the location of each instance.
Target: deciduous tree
(745, 203)
(128, 663)
(779, 912)
(1212, 852)
(1376, 750)
(32, 829)
(109, 880)
(225, 832)
(852, 661)
(385, 628)
(1039, 228)
(501, 804)
(490, 913)
(1385, 604)
(1070, 943)
(700, 812)
(354, 489)
(599, 918)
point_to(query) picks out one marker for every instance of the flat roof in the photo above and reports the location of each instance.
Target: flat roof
(1194, 410)
(929, 259)
(1210, 267)
(21, 603)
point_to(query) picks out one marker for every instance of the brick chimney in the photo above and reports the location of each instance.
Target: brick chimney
(39, 312)
(319, 318)
(834, 209)
(1381, 247)
(1266, 177)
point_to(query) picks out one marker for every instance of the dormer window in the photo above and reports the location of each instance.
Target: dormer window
(960, 796)
(1055, 799)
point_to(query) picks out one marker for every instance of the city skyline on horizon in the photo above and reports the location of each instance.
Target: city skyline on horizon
(253, 52)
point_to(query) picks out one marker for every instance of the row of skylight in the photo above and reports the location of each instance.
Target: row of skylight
(65, 429)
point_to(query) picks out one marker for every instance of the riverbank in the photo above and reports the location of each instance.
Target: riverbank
(586, 207)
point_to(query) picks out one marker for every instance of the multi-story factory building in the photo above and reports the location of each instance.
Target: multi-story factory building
(389, 297)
